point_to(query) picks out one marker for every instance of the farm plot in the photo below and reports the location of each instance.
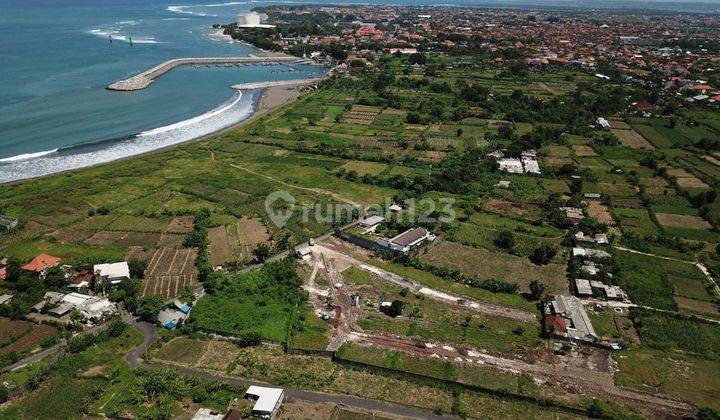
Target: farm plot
(362, 167)
(222, 245)
(632, 139)
(361, 115)
(169, 270)
(582, 150)
(251, 233)
(509, 208)
(181, 351)
(682, 221)
(170, 240)
(636, 220)
(113, 238)
(686, 179)
(22, 336)
(619, 124)
(182, 224)
(600, 212)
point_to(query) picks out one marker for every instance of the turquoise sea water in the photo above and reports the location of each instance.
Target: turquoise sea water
(56, 59)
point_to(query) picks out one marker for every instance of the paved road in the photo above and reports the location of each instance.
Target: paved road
(149, 333)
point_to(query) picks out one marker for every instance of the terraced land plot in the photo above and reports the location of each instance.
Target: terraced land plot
(236, 241)
(601, 213)
(683, 221)
(22, 337)
(119, 238)
(687, 180)
(632, 139)
(169, 270)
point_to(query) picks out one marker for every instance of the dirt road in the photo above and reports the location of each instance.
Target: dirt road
(329, 250)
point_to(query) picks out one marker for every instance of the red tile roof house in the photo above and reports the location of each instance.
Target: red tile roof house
(41, 263)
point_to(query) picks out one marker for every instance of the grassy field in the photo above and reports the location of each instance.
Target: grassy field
(429, 319)
(654, 281)
(262, 301)
(486, 264)
(670, 373)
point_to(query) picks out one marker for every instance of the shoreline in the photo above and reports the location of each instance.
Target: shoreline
(269, 99)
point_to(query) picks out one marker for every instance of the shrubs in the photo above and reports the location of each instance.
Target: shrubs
(543, 254)
(665, 331)
(198, 238)
(492, 285)
(84, 341)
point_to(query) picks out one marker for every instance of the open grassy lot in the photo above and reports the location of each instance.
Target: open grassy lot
(432, 320)
(435, 282)
(653, 281)
(684, 376)
(486, 264)
(182, 351)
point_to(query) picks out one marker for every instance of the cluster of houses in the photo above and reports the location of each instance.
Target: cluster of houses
(590, 267)
(526, 164)
(60, 305)
(79, 282)
(267, 402)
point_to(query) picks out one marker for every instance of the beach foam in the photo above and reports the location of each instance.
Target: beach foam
(117, 36)
(183, 10)
(27, 156)
(239, 107)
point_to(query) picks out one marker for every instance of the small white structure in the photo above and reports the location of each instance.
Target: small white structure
(395, 208)
(267, 400)
(583, 287)
(603, 123)
(371, 223)
(599, 238)
(587, 252)
(503, 184)
(207, 414)
(511, 165)
(5, 299)
(531, 165)
(114, 272)
(252, 20)
(303, 253)
(97, 307)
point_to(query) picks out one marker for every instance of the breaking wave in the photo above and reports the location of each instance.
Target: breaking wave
(27, 156)
(30, 165)
(117, 36)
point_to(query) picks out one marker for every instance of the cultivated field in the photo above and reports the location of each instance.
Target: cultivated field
(632, 139)
(168, 271)
(682, 221)
(22, 337)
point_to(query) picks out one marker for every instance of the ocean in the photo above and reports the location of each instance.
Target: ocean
(56, 59)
